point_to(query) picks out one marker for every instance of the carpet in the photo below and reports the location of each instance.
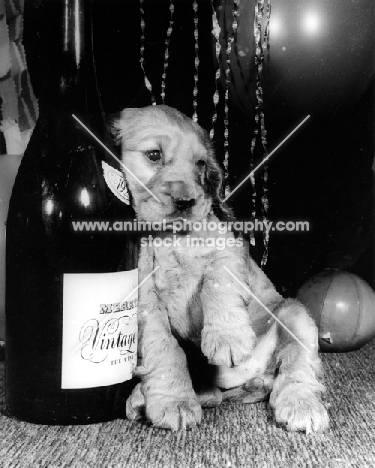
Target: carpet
(229, 437)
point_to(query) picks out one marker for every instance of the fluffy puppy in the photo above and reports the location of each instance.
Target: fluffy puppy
(213, 304)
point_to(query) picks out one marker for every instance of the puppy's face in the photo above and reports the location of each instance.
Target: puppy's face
(170, 158)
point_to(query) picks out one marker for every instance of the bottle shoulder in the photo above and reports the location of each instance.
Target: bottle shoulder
(61, 208)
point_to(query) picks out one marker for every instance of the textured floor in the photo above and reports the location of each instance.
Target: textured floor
(229, 437)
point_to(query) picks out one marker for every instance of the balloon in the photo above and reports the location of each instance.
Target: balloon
(343, 307)
(320, 60)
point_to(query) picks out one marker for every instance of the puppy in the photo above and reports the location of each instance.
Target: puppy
(244, 342)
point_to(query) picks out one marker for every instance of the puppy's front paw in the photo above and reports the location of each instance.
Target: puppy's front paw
(173, 413)
(227, 347)
(164, 411)
(135, 404)
(300, 410)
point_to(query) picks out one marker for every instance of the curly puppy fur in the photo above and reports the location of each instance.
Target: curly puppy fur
(203, 338)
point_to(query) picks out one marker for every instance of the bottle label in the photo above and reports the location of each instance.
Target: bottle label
(99, 328)
(116, 182)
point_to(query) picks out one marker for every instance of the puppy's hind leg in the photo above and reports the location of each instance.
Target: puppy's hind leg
(295, 394)
(252, 380)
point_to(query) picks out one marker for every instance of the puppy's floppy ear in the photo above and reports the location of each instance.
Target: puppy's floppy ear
(122, 124)
(214, 185)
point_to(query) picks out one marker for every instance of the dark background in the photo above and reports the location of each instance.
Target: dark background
(323, 174)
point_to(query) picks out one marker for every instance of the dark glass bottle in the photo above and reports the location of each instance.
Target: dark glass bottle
(70, 321)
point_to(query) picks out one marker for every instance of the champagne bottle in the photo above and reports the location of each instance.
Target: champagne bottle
(71, 295)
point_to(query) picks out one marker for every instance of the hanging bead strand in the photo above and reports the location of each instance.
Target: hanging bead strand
(265, 201)
(142, 50)
(216, 30)
(228, 70)
(196, 62)
(166, 53)
(258, 59)
(255, 136)
(259, 115)
(266, 36)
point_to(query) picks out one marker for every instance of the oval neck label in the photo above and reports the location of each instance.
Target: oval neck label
(116, 182)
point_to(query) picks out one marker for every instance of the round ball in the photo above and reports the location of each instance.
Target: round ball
(343, 307)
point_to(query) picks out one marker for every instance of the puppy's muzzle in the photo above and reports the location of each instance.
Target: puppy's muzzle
(183, 204)
(180, 193)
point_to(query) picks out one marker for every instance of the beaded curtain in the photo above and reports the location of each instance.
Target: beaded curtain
(226, 53)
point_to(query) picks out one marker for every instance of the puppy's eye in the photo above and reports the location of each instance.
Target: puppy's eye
(201, 163)
(153, 155)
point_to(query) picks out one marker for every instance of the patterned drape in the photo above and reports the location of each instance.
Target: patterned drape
(19, 108)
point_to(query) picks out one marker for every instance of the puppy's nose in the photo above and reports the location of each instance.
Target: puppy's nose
(183, 204)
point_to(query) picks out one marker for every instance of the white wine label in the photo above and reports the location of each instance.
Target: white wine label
(116, 182)
(99, 328)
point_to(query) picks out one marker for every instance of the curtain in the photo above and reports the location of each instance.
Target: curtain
(19, 107)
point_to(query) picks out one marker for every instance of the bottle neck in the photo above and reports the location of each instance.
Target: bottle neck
(74, 30)
(74, 87)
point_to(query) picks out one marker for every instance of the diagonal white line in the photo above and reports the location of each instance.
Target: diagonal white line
(125, 298)
(267, 309)
(266, 159)
(115, 157)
